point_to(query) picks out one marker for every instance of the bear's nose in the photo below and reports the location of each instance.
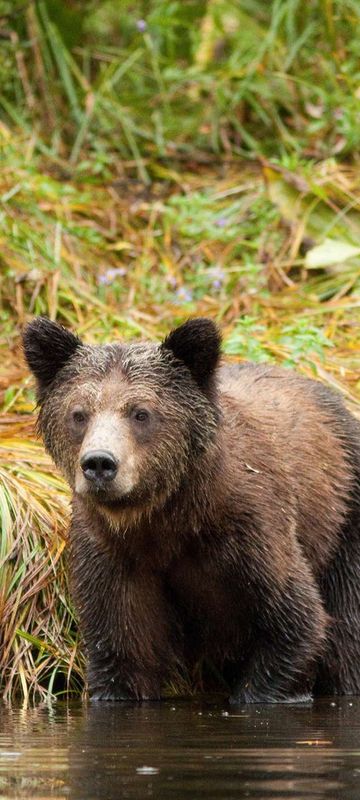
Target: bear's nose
(99, 466)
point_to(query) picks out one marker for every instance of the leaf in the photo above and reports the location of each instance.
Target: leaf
(330, 252)
(42, 645)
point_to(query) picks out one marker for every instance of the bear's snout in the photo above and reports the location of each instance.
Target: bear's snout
(105, 469)
(99, 466)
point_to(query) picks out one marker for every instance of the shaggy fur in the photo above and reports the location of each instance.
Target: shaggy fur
(231, 530)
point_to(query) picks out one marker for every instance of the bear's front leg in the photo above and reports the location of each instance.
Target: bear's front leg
(289, 632)
(125, 621)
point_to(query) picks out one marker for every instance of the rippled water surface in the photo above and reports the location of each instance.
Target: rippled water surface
(181, 750)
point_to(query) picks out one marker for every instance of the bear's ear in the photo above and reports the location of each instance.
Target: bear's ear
(47, 347)
(197, 343)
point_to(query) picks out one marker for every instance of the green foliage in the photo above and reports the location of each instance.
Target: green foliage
(199, 216)
(301, 342)
(304, 341)
(243, 341)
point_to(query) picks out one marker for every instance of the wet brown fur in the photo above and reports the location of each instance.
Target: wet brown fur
(239, 542)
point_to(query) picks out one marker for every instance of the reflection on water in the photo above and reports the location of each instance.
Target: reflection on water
(181, 750)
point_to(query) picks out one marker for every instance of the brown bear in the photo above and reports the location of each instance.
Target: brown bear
(216, 514)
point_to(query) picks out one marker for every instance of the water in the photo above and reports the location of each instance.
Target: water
(181, 750)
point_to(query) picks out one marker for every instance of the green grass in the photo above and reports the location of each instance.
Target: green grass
(145, 81)
(205, 165)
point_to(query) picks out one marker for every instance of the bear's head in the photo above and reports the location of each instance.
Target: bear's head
(126, 423)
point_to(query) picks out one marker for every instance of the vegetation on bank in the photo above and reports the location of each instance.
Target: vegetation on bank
(161, 160)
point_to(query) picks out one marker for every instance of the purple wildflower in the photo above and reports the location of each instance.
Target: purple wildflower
(141, 25)
(221, 222)
(184, 295)
(218, 276)
(110, 275)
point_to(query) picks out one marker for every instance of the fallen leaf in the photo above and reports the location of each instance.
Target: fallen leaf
(330, 252)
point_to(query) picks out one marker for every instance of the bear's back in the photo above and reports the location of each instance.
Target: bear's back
(285, 422)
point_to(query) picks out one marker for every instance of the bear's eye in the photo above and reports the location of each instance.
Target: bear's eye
(141, 415)
(79, 417)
